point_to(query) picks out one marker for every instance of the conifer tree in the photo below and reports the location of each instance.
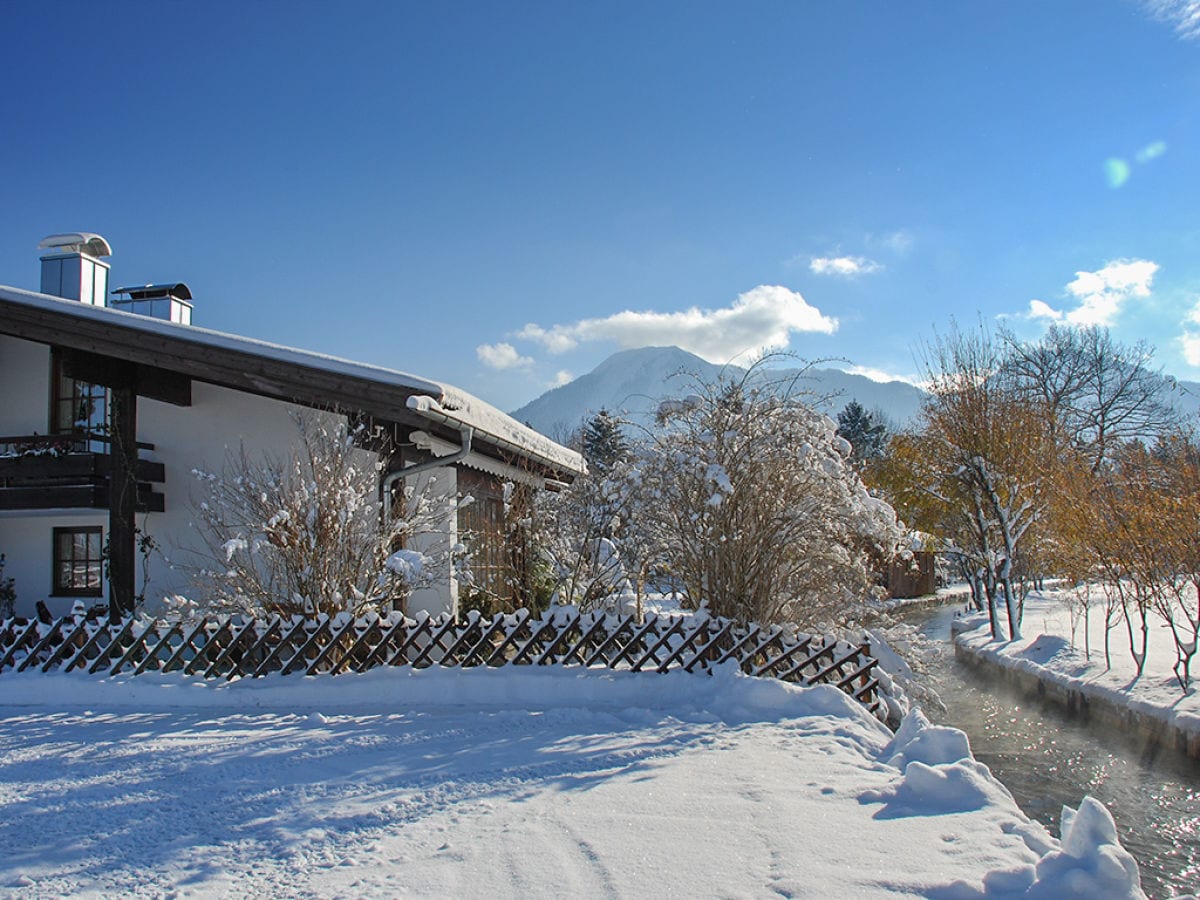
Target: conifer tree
(866, 434)
(604, 443)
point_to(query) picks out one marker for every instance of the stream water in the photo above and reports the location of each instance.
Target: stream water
(1048, 758)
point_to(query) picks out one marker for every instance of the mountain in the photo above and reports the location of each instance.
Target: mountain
(634, 382)
(1185, 398)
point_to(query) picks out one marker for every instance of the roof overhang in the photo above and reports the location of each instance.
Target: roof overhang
(275, 371)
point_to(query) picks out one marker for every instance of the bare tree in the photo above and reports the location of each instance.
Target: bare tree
(992, 442)
(1099, 392)
(303, 533)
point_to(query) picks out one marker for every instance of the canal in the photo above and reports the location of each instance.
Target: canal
(1048, 758)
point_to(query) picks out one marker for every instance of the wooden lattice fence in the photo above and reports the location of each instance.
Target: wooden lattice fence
(242, 647)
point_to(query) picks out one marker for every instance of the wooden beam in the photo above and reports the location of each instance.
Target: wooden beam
(93, 367)
(77, 468)
(149, 381)
(122, 493)
(167, 387)
(79, 496)
(76, 496)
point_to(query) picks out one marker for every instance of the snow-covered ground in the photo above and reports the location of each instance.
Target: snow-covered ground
(1054, 651)
(955, 593)
(517, 782)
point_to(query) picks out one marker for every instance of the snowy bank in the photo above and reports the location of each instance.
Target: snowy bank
(1051, 660)
(944, 596)
(511, 782)
(726, 695)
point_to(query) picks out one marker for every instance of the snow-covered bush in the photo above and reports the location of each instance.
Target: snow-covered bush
(578, 532)
(305, 534)
(745, 496)
(8, 593)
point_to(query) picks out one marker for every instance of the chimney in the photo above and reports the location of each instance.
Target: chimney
(169, 302)
(72, 268)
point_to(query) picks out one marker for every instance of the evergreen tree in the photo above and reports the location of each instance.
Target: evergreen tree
(604, 443)
(866, 434)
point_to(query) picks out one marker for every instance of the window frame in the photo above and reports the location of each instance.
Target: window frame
(482, 528)
(80, 390)
(57, 587)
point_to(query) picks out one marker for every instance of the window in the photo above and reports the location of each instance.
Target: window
(76, 407)
(481, 526)
(78, 569)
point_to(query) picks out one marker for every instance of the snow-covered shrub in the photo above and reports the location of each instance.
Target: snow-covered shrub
(8, 593)
(746, 496)
(579, 530)
(304, 533)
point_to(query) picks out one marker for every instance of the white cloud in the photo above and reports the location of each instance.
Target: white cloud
(556, 340)
(762, 318)
(561, 377)
(1182, 15)
(502, 356)
(880, 375)
(1190, 344)
(1102, 293)
(899, 242)
(1189, 341)
(1041, 310)
(845, 266)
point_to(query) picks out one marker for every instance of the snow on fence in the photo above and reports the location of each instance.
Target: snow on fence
(234, 646)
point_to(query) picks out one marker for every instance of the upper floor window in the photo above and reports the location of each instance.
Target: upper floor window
(76, 407)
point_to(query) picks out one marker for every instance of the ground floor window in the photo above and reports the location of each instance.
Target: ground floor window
(78, 568)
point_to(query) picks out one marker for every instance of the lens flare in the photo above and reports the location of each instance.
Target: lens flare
(1116, 171)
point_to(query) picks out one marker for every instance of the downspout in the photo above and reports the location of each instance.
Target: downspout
(468, 434)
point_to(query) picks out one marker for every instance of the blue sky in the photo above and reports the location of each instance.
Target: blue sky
(500, 195)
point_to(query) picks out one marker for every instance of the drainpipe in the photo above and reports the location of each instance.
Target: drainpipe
(467, 434)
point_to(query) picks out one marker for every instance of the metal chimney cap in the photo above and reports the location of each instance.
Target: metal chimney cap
(178, 290)
(77, 242)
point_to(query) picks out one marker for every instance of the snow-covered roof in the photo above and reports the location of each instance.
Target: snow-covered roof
(432, 400)
(77, 242)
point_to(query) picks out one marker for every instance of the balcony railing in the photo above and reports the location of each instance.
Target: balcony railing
(66, 471)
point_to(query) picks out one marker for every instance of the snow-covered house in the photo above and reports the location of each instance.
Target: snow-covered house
(108, 407)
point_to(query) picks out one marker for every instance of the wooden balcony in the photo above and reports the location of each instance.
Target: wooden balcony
(68, 472)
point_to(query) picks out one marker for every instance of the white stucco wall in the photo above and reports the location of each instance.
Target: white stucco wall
(25, 391)
(440, 483)
(25, 537)
(25, 542)
(201, 436)
(185, 438)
